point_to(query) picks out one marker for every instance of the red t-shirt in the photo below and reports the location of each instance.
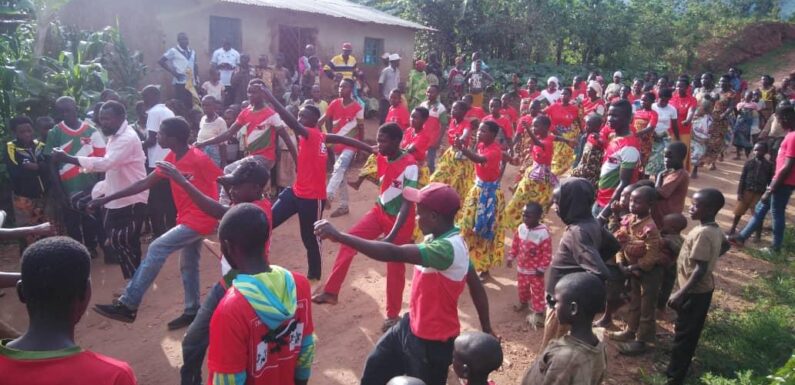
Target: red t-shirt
(562, 117)
(71, 366)
(310, 180)
(421, 142)
(642, 119)
(236, 339)
(786, 151)
(456, 129)
(201, 172)
(504, 122)
(345, 120)
(582, 90)
(475, 113)
(524, 120)
(399, 115)
(534, 95)
(682, 106)
(259, 140)
(523, 94)
(544, 155)
(489, 171)
(511, 113)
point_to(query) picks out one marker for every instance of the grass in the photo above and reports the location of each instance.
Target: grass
(769, 63)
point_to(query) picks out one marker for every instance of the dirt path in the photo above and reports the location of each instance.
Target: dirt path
(348, 331)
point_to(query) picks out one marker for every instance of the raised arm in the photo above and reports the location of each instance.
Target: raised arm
(286, 116)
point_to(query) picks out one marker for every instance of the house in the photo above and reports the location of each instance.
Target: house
(255, 27)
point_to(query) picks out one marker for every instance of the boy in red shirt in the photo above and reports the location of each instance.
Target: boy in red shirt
(261, 333)
(56, 289)
(398, 112)
(392, 216)
(193, 224)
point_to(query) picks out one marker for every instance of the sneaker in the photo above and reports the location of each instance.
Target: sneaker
(180, 322)
(117, 311)
(340, 211)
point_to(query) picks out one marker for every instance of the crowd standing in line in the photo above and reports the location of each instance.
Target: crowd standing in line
(251, 147)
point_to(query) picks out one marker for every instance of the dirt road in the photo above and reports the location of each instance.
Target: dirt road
(347, 332)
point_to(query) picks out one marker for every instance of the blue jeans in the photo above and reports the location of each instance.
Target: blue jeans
(179, 237)
(194, 345)
(337, 182)
(778, 203)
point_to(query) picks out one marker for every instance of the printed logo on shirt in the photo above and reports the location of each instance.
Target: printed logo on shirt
(85, 140)
(397, 184)
(262, 356)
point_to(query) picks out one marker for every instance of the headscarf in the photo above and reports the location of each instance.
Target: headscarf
(555, 80)
(596, 87)
(575, 198)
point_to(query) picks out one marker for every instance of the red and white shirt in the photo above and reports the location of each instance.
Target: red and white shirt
(345, 120)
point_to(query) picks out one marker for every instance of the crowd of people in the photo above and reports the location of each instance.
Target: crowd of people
(253, 146)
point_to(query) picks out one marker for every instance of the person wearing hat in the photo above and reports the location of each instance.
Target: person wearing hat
(245, 185)
(421, 343)
(343, 64)
(388, 81)
(613, 89)
(417, 84)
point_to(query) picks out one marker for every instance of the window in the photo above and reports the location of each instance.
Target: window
(373, 48)
(225, 28)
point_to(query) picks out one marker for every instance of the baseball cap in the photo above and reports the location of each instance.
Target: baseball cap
(347, 45)
(394, 57)
(249, 171)
(437, 197)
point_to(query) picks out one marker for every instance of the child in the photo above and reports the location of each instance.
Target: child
(421, 343)
(747, 112)
(316, 101)
(293, 98)
(639, 260)
(210, 126)
(593, 151)
(565, 123)
(262, 327)
(481, 221)
(672, 183)
(671, 244)
(532, 249)
(452, 169)
(506, 100)
(538, 181)
(697, 259)
(214, 87)
(523, 144)
(475, 356)
(55, 286)
(27, 168)
(756, 176)
(398, 112)
(702, 125)
(437, 119)
(505, 137)
(578, 358)
(192, 226)
(43, 126)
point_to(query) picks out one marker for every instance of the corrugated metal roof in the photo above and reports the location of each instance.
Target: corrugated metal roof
(335, 8)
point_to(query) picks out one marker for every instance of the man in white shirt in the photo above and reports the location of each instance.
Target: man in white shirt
(226, 59)
(123, 164)
(180, 62)
(162, 212)
(388, 81)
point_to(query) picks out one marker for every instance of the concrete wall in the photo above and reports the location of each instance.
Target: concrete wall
(151, 26)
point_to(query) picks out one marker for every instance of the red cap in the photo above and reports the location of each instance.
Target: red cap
(346, 46)
(437, 197)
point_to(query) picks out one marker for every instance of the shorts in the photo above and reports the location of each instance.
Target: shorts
(748, 202)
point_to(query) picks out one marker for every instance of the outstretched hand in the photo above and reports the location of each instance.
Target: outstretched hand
(325, 230)
(170, 171)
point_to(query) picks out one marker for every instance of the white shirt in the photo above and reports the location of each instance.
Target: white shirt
(390, 77)
(209, 130)
(123, 165)
(664, 117)
(221, 56)
(182, 61)
(154, 116)
(216, 91)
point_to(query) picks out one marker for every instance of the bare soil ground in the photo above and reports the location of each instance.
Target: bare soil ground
(348, 331)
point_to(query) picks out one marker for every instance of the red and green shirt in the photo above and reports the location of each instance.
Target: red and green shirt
(393, 176)
(259, 137)
(85, 141)
(622, 153)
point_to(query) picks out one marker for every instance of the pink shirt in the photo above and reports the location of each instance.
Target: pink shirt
(786, 151)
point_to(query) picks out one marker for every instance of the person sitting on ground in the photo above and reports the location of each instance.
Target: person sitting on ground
(55, 287)
(475, 356)
(421, 344)
(578, 358)
(262, 330)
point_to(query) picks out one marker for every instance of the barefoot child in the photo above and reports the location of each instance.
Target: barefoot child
(475, 356)
(756, 176)
(639, 260)
(671, 244)
(697, 259)
(532, 249)
(481, 221)
(578, 358)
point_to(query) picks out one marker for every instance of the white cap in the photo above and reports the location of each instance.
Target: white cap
(394, 57)
(618, 74)
(385, 55)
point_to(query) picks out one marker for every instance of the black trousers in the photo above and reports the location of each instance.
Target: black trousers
(399, 352)
(309, 211)
(668, 281)
(687, 330)
(383, 109)
(83, 228)
(162, 212)
(184, 96)
(123, 228)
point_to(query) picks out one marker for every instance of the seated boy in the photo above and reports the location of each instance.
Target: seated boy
(261, 331)
(578, 358)
(55, 286)
(475, 356)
